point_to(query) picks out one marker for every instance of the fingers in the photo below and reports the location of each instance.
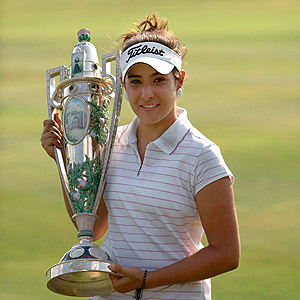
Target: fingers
(51, 139)
(53, 125)
(114, 278)
(51, 132)
(57, 119)
(132, 278)
(52, 135)
(115, 268)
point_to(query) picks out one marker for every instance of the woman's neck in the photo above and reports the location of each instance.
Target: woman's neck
(148, 133)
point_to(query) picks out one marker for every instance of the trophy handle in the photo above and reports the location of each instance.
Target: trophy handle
(52, 106)
(50, 78)
(118, 90)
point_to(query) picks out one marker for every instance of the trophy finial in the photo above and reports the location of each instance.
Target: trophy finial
(84, 35)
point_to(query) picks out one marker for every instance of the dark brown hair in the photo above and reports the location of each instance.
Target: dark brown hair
(153, 29)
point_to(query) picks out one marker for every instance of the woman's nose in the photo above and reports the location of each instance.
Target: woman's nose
(147, 91)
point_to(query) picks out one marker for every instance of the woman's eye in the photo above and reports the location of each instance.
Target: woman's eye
(159, 79)
(135, 81)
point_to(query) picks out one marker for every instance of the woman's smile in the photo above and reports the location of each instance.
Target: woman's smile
(150, 106)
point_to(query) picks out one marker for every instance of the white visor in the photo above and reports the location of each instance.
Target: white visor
(161, 58)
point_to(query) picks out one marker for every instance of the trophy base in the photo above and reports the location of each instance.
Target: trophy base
(80, 277)
(83, 272)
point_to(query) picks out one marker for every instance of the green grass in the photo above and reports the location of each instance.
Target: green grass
(242, 92)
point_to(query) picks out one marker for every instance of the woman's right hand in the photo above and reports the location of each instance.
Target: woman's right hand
(52, 135)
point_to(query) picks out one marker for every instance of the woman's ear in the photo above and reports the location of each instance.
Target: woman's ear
(181, 79)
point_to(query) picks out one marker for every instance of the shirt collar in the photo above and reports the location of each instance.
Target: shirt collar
(169, 140)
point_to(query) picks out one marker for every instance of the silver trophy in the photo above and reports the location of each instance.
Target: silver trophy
(82, 97)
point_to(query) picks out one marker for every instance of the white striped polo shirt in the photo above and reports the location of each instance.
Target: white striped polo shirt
(153, 219)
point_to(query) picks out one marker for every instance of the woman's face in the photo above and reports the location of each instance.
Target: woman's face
(152, 96)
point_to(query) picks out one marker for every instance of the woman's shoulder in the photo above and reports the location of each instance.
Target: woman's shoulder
(194, 137)
(122, 128)
(199, 140)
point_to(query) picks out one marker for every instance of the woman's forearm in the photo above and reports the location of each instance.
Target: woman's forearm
(205, 263)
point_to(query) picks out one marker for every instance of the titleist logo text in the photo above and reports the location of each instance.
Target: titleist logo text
(143, 50)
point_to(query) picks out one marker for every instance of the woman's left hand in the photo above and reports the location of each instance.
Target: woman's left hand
(131, 279)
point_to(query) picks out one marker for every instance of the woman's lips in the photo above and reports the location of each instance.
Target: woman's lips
(149, 106)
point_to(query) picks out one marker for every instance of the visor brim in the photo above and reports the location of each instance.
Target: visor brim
(162, 67)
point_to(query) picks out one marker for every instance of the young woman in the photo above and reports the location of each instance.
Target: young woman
(167, 183)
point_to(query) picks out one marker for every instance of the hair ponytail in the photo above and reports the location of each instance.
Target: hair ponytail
(152, 23)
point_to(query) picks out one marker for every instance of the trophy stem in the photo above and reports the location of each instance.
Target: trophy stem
(85, 223)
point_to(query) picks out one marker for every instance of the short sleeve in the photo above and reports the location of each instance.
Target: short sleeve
(210, 166)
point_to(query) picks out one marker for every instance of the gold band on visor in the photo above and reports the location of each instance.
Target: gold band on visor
(158, 56)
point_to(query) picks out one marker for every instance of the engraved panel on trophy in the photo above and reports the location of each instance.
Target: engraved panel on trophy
(75, 120)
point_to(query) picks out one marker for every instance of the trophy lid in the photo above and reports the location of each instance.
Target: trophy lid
(84, 35)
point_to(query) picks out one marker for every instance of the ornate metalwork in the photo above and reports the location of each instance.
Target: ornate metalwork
(82, 97)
